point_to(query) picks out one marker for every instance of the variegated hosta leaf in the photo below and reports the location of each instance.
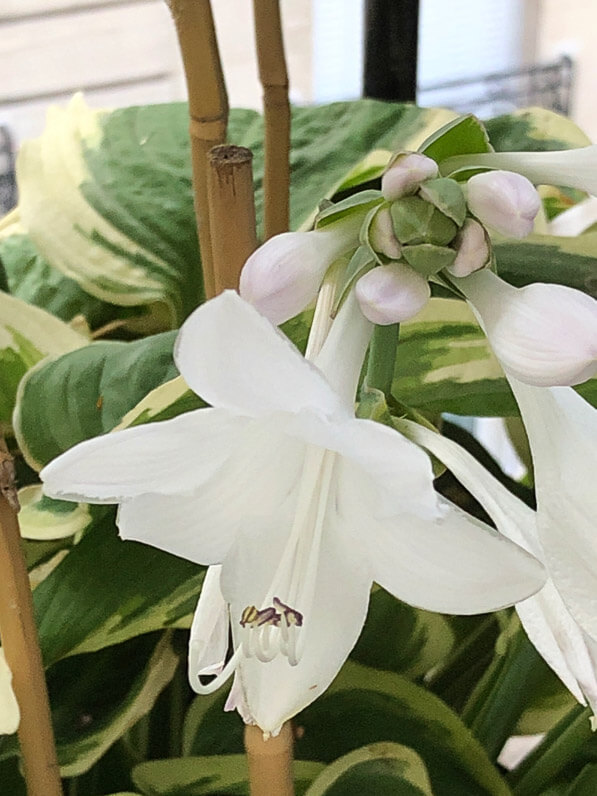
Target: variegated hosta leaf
(381, 768)
(444, 364)
(27, 335)
(96, 698)
(204, 776)
(534, 130)
(43, 519)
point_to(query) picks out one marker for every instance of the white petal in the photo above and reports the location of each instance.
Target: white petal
(505, 201)
(543, 334)
(259, 476)
(512, 517)
(208, 643)
(561, 642)
(455, 564)
(392, 293)
(562, 431)
(576, 219)
(168, 457)
(283, 276)
(235, 359)
(9, 707)
(576, 168)
(276, 691)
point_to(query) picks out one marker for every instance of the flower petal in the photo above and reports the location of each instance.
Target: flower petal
(208, 643)
(276, 691)
(562, 431)
(9, 707)
(561, 642)
(166, 458)
(258, 477)
(235, 359)
(542, 334)
(455, 564)
(576, 168)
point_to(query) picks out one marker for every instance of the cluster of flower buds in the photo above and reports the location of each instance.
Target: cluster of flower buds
(428, 224)
(394, 241)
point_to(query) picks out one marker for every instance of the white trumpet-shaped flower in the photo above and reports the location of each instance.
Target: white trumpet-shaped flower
(560, 618)
(576, 168)
(543, 334)
(505, 201)
(9, 708)
(297, 503)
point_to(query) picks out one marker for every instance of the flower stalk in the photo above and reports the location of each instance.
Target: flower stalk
(21, 648)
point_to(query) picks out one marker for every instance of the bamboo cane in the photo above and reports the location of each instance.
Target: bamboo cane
(270, 762)
(231, 212)
(276, 108)
(21, 647)
(208, 108)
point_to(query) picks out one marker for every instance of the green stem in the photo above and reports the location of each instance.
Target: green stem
(556, 751)
(503, 693)
(382, 358)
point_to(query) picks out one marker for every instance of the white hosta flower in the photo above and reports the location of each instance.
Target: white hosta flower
(381, 235)
(301, 504)
(406, 172)
(543, 334)
(560, 618)
(392, 293)
(283, 276)
(472, 249)
(504, 201)
(576, 168)
(9, 707)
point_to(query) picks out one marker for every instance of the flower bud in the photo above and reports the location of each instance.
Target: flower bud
(505, 201)
(381, 235)
(472, 249)
(391, 293)
(283, 276)
(543, 334)
(405, 173)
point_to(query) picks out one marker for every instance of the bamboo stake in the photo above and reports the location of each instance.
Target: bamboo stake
(231, 212)
(276, 108)
(208, 108)
(270, 762)
(21, 647)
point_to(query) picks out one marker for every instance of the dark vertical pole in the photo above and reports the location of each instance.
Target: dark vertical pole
(391, 35)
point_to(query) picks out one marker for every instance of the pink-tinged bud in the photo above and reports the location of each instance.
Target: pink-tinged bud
(505, 201)
(283, 276)
(406, 172)
(472, 249)
(543, 334)
(391, 293)
(381, 235)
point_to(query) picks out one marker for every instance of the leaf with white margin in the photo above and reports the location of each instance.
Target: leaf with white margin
(27, 335)
(42, 519)
(381, 768)
(9, 707)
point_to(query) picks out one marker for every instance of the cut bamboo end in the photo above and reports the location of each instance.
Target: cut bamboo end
(274, 78)
(270, 761)
(208, 108)
(21, 650)
(231, 212)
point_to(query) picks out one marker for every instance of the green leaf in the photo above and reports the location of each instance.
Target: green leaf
(359, 202)
(85, 393)
(207, 776)
(364, 706)
(402, 639)
(43, 519)
(534, 130)
(27, 335)
(461, 136)
(105, 591)
(381, 769)
(96, 698)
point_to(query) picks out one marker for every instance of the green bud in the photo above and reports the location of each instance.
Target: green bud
(446, 195)
(428, 259)
(417, 221)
